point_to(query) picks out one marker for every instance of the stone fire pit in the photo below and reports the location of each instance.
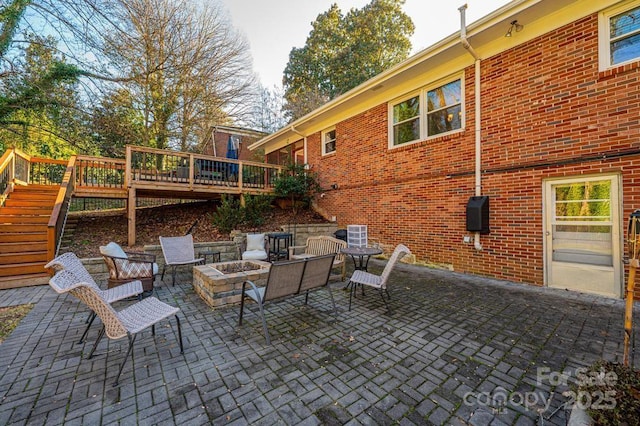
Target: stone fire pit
(220, 284)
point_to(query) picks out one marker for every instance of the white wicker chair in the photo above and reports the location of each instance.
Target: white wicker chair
(378, 281)
(70, 262)
(178, 251)
(127, 322)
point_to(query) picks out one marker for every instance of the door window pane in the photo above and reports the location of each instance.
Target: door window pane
(582, 224)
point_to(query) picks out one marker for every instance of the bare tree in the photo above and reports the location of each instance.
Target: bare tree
(184, 66)
(188, 68)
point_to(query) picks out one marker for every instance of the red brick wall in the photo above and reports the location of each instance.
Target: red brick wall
(221, 138)
(546, 112)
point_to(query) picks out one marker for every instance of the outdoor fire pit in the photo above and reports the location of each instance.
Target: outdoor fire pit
(220, 284)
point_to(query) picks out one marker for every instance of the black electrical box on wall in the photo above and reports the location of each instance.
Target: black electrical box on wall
(478, 214)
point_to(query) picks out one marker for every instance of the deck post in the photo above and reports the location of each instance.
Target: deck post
(131, 216)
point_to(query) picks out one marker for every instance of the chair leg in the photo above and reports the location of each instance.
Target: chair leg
(89, 322)
(241, 305)
(95, 345)
(335, 310)
(163, 269)
(129, 351)
(173, 275)
(385, 301)
(264, 324)
(180, 334)
(353, 286)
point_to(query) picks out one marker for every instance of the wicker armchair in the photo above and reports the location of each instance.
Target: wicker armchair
(128, 266)
(70, 262)
(127, 322)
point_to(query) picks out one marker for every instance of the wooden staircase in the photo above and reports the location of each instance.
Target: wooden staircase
(23, 235)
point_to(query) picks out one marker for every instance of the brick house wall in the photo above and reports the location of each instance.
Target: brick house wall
(547, 111)
(220, 137)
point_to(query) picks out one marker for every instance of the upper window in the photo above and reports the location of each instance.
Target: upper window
(444, 109)
(406, 121)
(442, 113)
(619, 37)
(328, 141)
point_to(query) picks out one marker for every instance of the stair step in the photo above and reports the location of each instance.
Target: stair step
(33, 211)
(24, 257)
(4, 218)
(19, 228)
(15, 281)
(22, 246)
(12, 202)
(36, 188)
(22, 269)
(34, 194)
(18, 237)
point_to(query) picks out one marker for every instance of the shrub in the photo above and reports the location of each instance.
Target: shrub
(228, 215)
(297, 184)
(256, 209)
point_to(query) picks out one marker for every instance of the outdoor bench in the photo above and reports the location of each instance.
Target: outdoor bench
(319, 246)
(287, 279)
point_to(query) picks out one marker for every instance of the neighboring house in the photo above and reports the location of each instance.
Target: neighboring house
(241, 138)
(544, 121)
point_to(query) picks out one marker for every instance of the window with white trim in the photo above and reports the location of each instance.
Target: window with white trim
(444, 108)
(328, 141)
(439, 107)
(406, 121)
(619, 36)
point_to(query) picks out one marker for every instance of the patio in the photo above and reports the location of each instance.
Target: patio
(453, 344)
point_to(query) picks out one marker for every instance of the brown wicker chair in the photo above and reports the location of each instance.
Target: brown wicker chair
(128, 266)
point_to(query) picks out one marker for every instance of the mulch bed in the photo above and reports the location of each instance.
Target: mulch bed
(94, 230)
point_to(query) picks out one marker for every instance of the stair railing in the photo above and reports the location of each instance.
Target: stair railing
(14, 168)
(58, 219)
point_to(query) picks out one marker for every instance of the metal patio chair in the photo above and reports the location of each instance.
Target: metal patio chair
(128, 322)
(178, 251)
(378, 281)
(70, 262)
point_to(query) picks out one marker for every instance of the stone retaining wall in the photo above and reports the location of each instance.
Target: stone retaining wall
(229, 250)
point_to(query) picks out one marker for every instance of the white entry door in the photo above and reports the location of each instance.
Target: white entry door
(582, 235)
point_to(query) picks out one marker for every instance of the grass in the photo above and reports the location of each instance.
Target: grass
(10, 317)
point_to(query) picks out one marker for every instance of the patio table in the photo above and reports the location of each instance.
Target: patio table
(362, 254)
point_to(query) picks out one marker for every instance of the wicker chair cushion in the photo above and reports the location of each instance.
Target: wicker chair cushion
(133, 270)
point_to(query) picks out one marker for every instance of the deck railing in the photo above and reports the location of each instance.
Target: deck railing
(99, 172)
(58, 217)
(150, 165)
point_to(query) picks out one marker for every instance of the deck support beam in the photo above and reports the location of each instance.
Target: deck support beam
(131, 216)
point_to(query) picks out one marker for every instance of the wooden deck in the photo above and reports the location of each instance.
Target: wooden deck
(145, 172)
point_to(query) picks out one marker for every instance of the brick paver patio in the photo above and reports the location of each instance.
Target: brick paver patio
(453, 350)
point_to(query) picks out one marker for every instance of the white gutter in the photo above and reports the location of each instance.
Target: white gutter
(478, 123)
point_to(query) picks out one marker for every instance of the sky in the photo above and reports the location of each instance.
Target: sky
(274, 27)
